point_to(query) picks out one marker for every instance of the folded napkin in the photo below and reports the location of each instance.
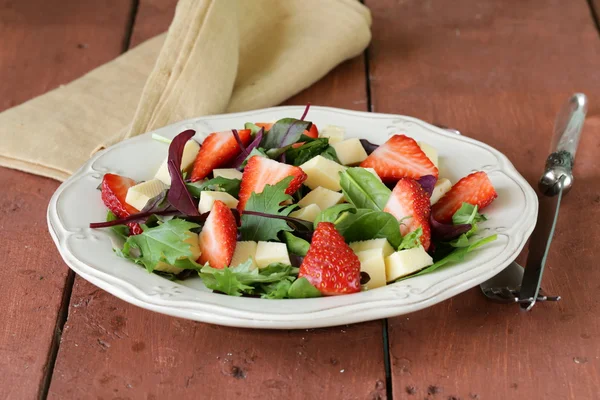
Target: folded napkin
(217, 56)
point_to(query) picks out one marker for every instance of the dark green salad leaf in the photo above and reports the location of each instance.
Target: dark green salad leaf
(333, 213)
(257, 151)
(302, 289)
(285, 132)
(363, 189)
(330, 154)
(310, 149)
(277, 290)
(367, 224)
(121, 231)
(295, 245)
(218, 184)
(262, 228)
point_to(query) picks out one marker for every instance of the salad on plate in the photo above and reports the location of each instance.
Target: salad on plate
(284, 210)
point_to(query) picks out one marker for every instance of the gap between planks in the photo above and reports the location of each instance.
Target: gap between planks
(594, 13)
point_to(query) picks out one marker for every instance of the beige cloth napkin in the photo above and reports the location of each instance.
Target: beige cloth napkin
(218, 56)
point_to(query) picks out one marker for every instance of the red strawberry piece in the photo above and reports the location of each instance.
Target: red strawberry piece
(218, 149)
(218, 237)
(265, 125)
(475, 189)
(330, 264)
(400, 157)
(313, 132)
(262, 171)
(409, 203)
(114, 191)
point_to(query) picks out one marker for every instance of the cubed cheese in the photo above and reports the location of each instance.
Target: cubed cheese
(430, 152)
(404, 262)
(271, 252)
(139, 195)
(372, 170)
(372, 262)
(322, 172)
(229, 173)
(308, 213)
(380, 244)
(334, 133)
(190, 150)
(192, 240)
(208, 198)
(322, 197)
(243, 251)
(350, 152)
(441, 187)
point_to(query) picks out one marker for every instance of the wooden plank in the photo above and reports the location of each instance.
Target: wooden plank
(113, 349)
(44, 44)
(498, 71)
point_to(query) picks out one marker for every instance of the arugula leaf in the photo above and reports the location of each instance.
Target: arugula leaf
(277, 290)
(120, 230)
(363, 189)
(253, 128)
(295, 245)
(332, 213)
(285, 132)
(218, 184)
(260, 228)
(225, 281)
(302, 289)
(467, 214)
(308, 150)
(164, 242)
(411, 240)
(458, 254)
(368, 224)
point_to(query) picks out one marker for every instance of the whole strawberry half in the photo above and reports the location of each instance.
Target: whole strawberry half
(218, 237)
(330, 264)
(400, 157)
(409, 203)
(114, 191)
(218, 150)
(475, 189)
(262, 171)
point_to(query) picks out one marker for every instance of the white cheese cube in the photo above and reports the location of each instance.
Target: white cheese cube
(322, 172)
(271, 252)
(139, 195)
(350, 152)
(379, 244)
(229, 173)
(334, 133)
(441, 187)
(308, 213)
(372, 170)
(190, 151)
(322, 197)
(430, 152)
(373, 263)
(243, 251)
(192, 240)
(405, 262)
(208, 198)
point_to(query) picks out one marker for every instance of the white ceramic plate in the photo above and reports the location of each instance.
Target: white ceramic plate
(88, 252)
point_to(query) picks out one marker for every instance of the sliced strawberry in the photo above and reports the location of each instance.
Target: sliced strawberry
(262, 171)
(409, 203)
(114, 192)
(265, 125)
(313, 132)
(218, 237)
(218, 149)
(475, 189)
(330, 264)
(400, 157)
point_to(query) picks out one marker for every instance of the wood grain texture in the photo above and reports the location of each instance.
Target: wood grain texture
(498, 72)
(44, 44)
(113, 349)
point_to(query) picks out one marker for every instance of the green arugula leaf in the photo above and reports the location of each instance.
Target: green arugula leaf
(368, 224)
(331, 214)
(302, 289)
(363, 189)
(164, 242)
(121, 231)
(259, 228)
(253, 128)
(285, 132)
(295, 245)
(218, 184)
(458, 254)
(467, 214)
(308, 150)
(277, 290)
(411, 240)
(225, 281)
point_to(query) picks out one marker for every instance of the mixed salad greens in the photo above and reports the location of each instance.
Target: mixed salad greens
(283, 210)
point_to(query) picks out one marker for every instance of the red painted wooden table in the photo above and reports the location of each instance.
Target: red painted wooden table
(495, 70)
